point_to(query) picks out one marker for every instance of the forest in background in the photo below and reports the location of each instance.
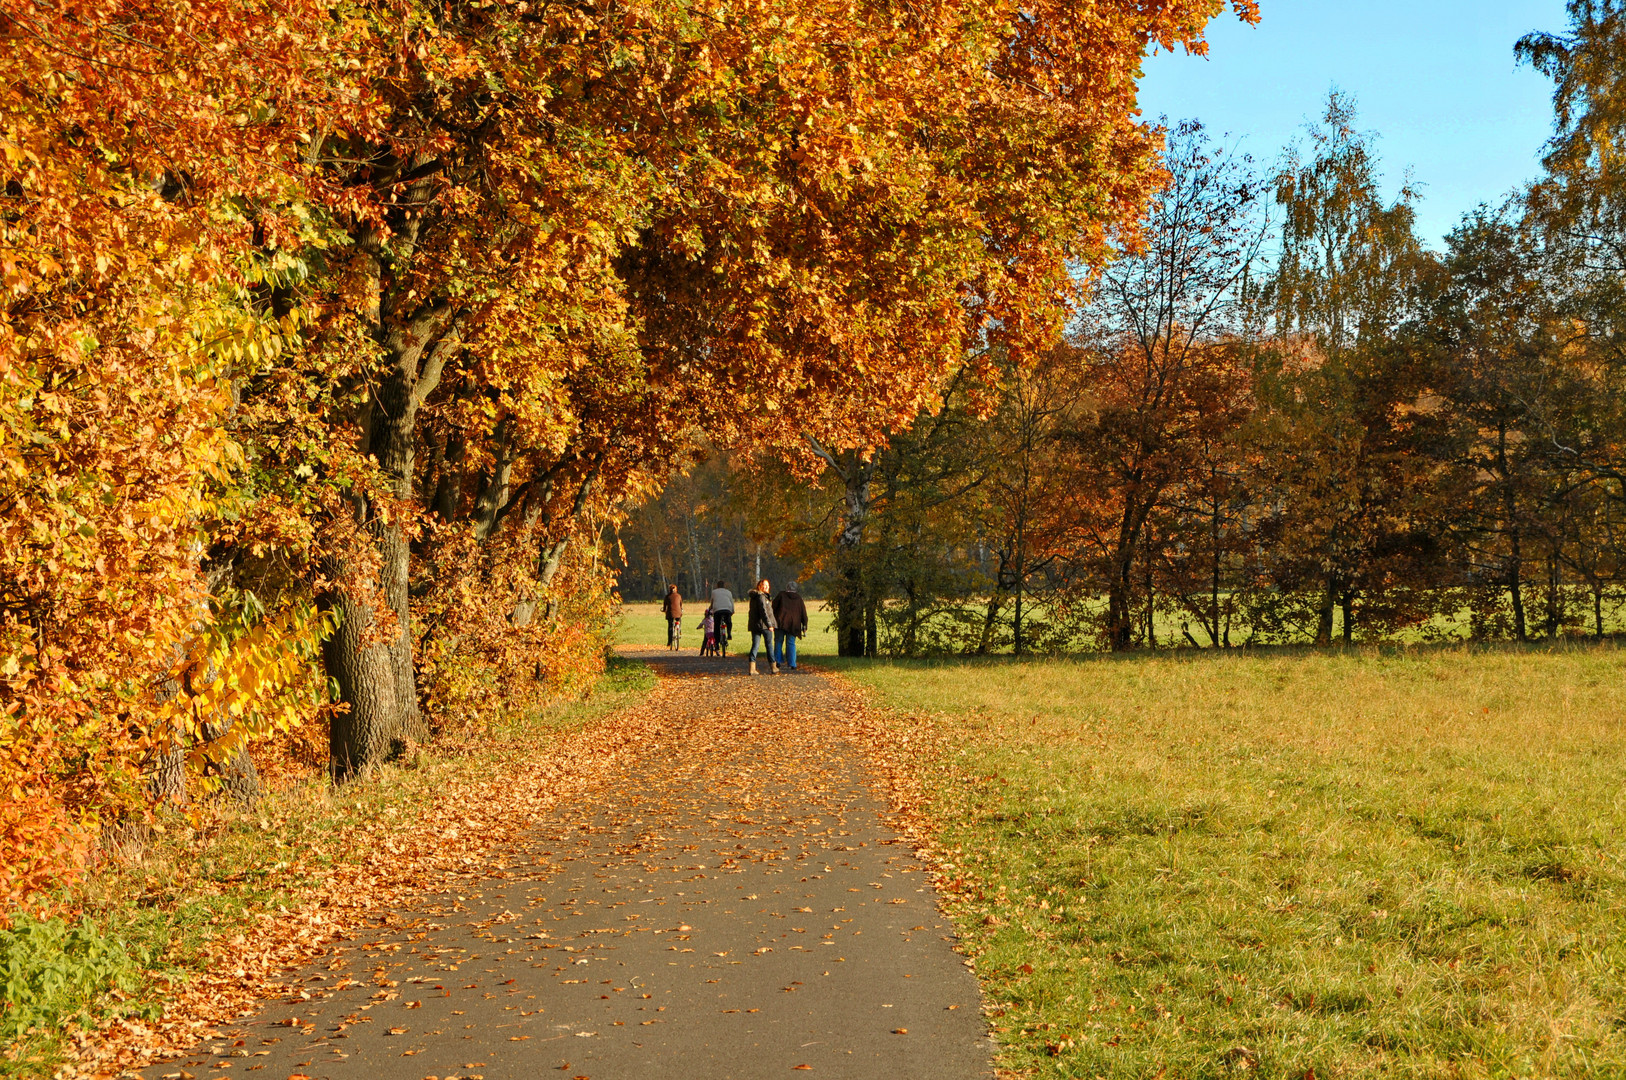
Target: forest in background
(1281, 419)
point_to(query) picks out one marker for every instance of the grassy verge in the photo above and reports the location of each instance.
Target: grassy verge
(1288, 864)
(151, 918)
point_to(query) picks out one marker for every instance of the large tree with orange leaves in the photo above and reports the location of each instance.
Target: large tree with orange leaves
(377, 305)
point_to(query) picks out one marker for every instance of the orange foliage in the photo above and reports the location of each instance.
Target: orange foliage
(384, 308)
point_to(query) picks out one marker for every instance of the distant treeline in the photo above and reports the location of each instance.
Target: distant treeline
(695, 533)
(1281, 418)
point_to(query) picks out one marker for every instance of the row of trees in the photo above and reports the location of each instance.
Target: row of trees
(1280, 418)
(333, 331)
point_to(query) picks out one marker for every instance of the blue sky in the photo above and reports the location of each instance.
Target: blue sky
(1435, 80)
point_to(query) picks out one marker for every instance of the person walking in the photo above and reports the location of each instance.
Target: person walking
(722, 613)
(760, 622)
(672, 608)
(790, 623)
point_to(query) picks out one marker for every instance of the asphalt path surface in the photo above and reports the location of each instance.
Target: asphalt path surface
(729, 905)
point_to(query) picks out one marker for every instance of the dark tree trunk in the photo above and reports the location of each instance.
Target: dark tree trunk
(1213, 627)
(996, 600)
(1510, 524)
(850, 606)
(449, 482)
(1016, 623)
(1121, 616)
(855, 634)
(1347, 604)
(1324, 617)
(1555, 602)
(1515, 586)
(1151, 606)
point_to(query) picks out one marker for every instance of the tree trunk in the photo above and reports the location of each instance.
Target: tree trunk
(394, 436)
(1151, 606)
(449, 482)
(368, 730)
(551, 555)
(1121, 616)
(1016, 622)
(1516, 594)
(1213, 627)
(996, 600)
(1347, 604)
(377, 682)
(1555, 604)
(239, 779)
(1510, 525)
(1329, 601)
(854, 616)
(1597, 610)
(168, 782)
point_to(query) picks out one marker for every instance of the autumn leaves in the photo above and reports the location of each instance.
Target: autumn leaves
(350, 325)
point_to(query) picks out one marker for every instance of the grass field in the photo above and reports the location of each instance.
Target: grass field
(1288, 864)
(643, 624)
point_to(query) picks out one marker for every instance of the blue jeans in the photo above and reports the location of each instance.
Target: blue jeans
(784, 648)
(761, 639)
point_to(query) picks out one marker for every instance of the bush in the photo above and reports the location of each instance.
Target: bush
(52, 971)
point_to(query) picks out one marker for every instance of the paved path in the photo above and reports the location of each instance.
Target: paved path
(728, 906)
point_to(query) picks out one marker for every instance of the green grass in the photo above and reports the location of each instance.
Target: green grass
(643, 625)
(152, 918)
(1356, 863)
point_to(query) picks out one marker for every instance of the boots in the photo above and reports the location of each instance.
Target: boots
(775, 667)
(754, 667)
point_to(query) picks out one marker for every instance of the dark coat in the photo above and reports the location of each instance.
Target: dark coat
(760, 621)
(790, 613)
(672, 606)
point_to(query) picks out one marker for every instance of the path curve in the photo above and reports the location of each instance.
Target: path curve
(729, 905)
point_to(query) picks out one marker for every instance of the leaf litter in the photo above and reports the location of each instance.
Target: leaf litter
(472, 825)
